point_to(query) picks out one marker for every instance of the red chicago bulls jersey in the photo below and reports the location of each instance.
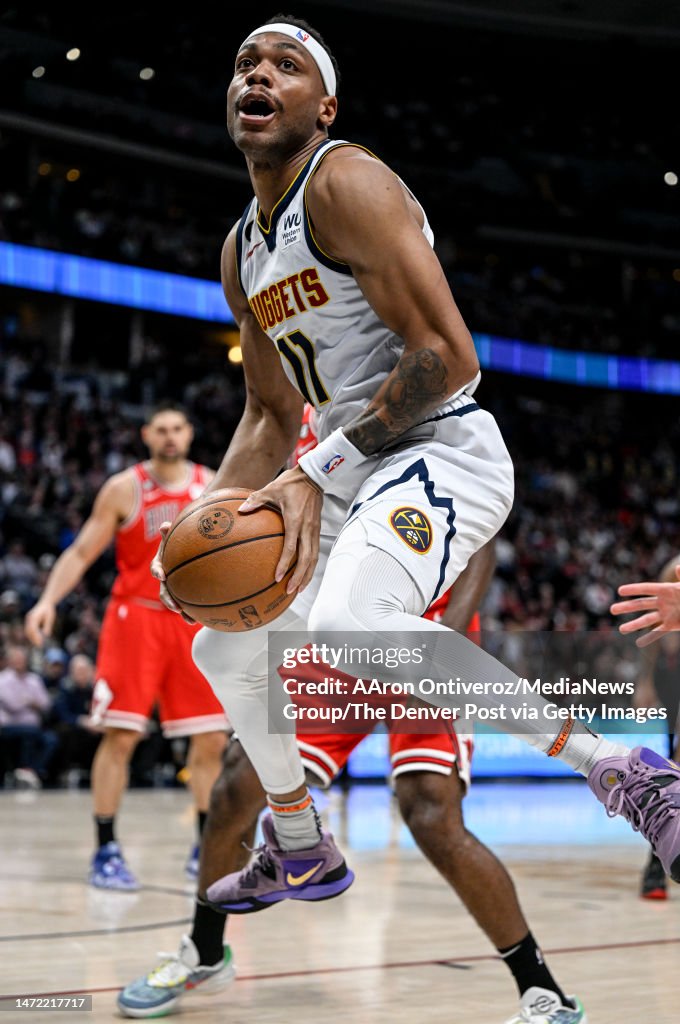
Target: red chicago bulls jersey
(138, 537)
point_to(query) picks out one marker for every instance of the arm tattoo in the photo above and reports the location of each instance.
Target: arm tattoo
(416, 386)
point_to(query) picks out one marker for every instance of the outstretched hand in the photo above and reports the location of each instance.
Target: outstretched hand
(658, 605)
(299, 500)
(158, 573)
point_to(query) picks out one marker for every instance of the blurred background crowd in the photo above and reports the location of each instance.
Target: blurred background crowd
(552, 190)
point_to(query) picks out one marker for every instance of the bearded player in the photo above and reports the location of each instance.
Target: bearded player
(144, 655)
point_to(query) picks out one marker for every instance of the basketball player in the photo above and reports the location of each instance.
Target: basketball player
(144, 653)
(659, 682)
(332, 278)
(430, 775)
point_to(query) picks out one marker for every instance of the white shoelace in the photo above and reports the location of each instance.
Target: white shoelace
(172, 971)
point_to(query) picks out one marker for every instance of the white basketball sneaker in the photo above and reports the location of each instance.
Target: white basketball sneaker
(539, 1006)
(157, 993)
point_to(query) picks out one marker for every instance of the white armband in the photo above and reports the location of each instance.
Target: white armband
(332, 461)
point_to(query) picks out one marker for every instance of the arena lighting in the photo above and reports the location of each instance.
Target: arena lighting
(100, 281)
(73, 53)
(146, 74)
(235, 355)
(42, 270)
(671, 178)
(38, 72)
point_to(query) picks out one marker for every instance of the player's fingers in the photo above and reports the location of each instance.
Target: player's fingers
(313, 559)
(33, 633)
(641, 589)
(651, 637)
(306, 561)
(677, 571)
(288, 552)
(253, 501)
(639, 604)
(38, 628)
(167, 599)
(156, 568)
(651, 619)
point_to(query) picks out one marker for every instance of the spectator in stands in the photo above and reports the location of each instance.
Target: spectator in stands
(24, 704)
(78, 736)
(17, 571)
(54, 665)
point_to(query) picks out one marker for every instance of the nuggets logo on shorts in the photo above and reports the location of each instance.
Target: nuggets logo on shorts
(413, 527)
(217, 524)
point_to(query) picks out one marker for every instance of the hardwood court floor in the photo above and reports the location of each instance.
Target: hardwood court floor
(398, 947)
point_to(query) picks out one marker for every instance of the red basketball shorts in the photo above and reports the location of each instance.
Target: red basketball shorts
(144, 660)
(325, 754)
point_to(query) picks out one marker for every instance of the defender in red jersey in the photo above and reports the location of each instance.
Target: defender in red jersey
(144, 656)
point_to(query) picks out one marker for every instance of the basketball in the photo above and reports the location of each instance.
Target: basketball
(219, 563)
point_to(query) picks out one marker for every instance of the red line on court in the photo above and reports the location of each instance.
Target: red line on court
(438, 962)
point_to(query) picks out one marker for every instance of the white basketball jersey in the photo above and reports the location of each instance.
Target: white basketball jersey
(334, 349)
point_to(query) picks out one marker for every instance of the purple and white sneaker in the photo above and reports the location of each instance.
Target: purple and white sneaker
(318, 873)
(645, 788)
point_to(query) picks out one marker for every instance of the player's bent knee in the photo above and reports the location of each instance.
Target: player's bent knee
(430, 801)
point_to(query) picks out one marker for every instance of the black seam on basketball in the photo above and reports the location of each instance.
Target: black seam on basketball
(239, 600)
(222, 547)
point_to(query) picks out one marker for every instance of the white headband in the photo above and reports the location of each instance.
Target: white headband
(316, 51)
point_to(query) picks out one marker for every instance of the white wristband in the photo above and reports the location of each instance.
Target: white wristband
(332, 461)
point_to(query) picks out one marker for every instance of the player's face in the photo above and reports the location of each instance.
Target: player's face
(276, 100)
(168, 436)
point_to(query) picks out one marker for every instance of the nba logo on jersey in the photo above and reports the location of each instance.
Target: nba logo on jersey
(413, 527)
(332, 464)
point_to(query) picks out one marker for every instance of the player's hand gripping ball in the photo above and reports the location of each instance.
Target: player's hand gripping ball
(219, 563)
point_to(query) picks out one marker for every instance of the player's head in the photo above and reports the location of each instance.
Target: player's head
(167, 432)
(284, 89)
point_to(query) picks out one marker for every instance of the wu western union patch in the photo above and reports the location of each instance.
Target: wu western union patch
(413, 527)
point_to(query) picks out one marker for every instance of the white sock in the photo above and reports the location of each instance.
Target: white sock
(584, 748)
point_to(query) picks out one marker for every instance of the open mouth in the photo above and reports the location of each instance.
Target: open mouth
(256, 108)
